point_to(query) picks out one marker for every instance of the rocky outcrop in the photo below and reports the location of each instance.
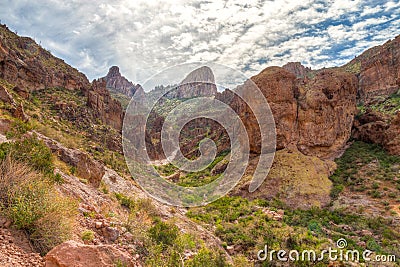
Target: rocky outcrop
(315, 115)
(15, 249)
(373, 127)
(19, 113)
(118, 83)
(392, 144)
(86, 167)
(6, 97)
(378, 69)
(297, 69)
(106, 108)
(326, 110)
(198, 83)
(27, 65)
(72, 253)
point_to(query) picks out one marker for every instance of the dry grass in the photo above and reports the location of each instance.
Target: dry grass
(32, 203)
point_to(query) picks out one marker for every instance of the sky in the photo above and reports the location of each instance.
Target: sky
(145, 37)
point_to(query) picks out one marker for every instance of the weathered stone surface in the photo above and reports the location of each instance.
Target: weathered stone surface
(278, 86)
(373, 127)
(27, 65)
(298, 180)
(21, 92)
(86, 167)
(72, 253)
(392, 144)
(5, 125)
(200, 82)
(19, 113)
(326, 109)
(5, 96)
(118, 83)
(108, 109)
(316, 115)
(379, 70)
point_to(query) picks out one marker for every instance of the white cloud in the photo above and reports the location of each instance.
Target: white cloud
(145, 36)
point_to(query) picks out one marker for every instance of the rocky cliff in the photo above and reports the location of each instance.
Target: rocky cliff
(200, 82)
(378, 70)
(108, 109)
(27, 65)
(315, 115)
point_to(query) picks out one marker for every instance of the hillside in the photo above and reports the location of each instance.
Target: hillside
(68, 199)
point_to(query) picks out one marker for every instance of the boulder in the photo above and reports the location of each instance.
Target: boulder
(72, 253)
(19, 113)
(376, 128)
(86, 167)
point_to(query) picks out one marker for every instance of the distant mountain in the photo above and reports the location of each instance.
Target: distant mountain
(119, 84)
(199, 82)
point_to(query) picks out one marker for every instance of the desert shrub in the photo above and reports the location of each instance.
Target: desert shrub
(125, 200)
(31, 202)
(163, 233)
(18, 128)
(205, 258)
(87, 235)
(31, 151)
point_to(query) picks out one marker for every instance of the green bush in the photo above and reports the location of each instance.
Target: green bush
(30, 151)
(31, 202)
(207, 258)
(87, 235)
(18, 128)
(163, 233)
(125, 200)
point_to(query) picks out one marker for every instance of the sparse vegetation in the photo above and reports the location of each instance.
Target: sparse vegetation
(87, 235)
(31, 202)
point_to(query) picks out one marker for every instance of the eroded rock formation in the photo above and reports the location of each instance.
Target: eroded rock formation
(378, 69)
(108, 109)
(119, 84)
(297, 69)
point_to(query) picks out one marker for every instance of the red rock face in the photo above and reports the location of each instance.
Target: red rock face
(326, 109)
(316, 115)
(376, 128)
(30, 67)
(108, 109)
(72, 253)
(392, 144)
(379, 70)
(118, 83)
